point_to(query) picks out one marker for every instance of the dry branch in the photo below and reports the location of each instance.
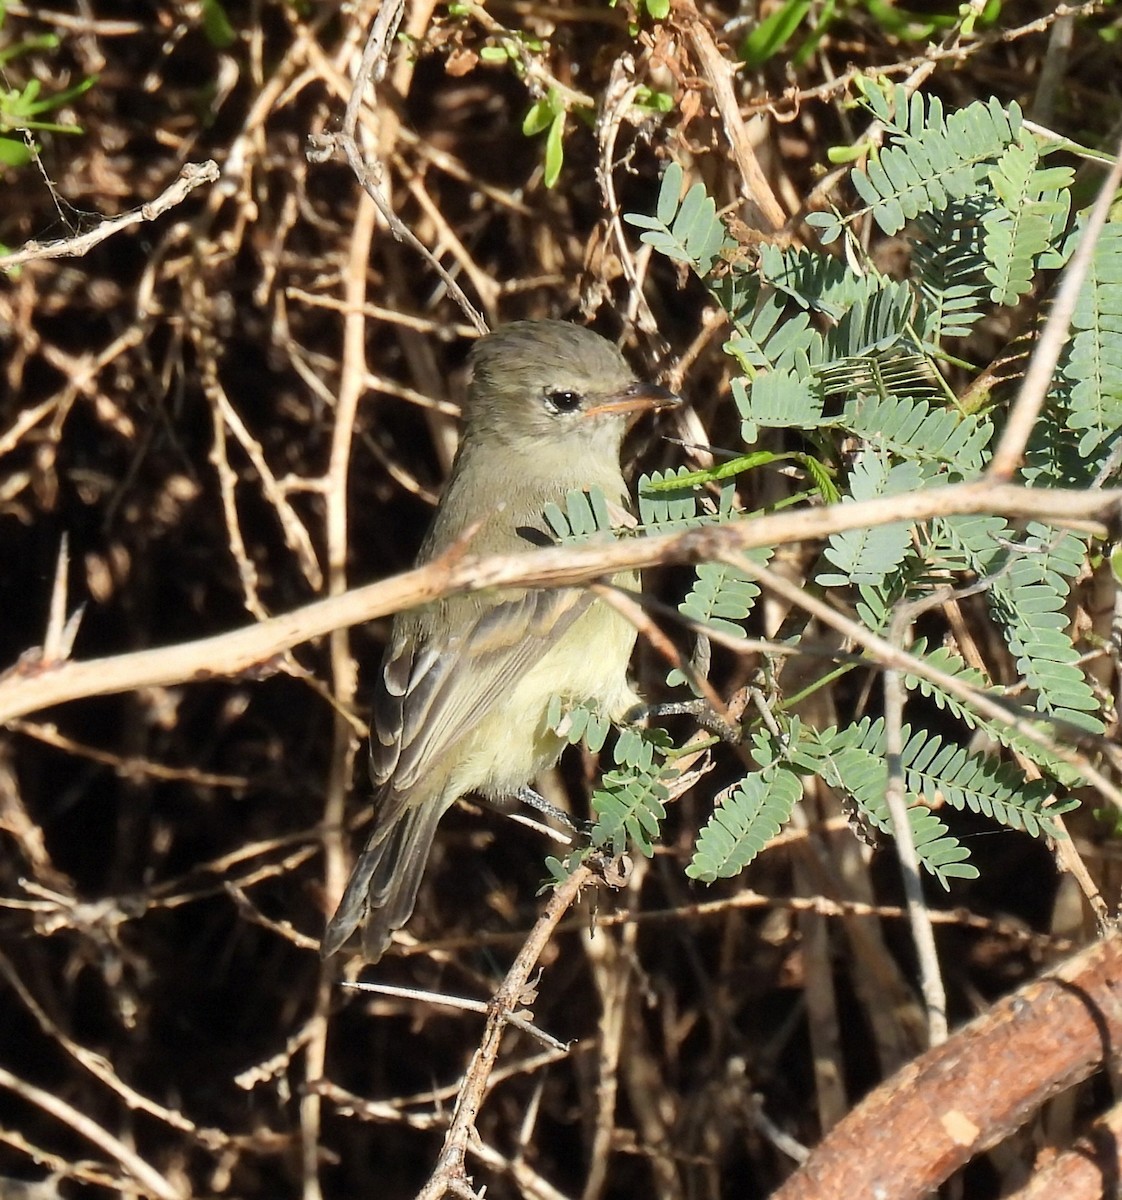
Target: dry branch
(146, 1176)
(34, 684)
(938, 1112)
(449, 1173)
(1090, 1170)
(193, 175)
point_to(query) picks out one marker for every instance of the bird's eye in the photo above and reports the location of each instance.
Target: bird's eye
(560, 401)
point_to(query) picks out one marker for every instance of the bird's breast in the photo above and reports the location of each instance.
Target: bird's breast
(513, 743)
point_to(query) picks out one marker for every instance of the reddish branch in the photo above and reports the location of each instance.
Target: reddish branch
(938, 1112)
(1091, 1169)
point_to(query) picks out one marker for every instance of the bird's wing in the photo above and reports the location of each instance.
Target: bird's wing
(434, 689)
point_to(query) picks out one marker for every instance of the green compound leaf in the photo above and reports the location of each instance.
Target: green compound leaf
(750, 816)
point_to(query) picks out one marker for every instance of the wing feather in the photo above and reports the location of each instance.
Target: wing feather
(436, 687)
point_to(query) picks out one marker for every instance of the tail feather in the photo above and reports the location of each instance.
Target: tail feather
(382, 890)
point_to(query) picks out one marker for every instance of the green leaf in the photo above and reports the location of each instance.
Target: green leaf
(561, 868)
(554, 150)
(750, 817)
(216, 25)
(773, 32)
(726, 470)
(852, 761)
(868, 555)
(830, 226)
(653, 100)
(669, 193)
(1018, 229)
(915, 430)
(1089, 392)
(44, 41)
(663, 508)
(722, 596)
(689, 231)
(928, 159)
(629, 809)
(950, 261)
(541, 115)
(584, 517)
(778, 400)
(15, 153)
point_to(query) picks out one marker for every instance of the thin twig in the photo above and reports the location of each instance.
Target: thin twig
(619, 95)
(102, 1069)
(919, 916)
(1009, 930)
(143, 1172)
(368, 170)
(764, 211)
(192, 175)
(449, 1172)
(461, 1002)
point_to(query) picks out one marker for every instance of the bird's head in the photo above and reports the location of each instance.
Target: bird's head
(552, 383)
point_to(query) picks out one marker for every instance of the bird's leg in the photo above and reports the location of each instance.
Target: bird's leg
(702, 713)
(535, 800)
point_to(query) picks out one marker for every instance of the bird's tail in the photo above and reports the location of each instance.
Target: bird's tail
(383, 886)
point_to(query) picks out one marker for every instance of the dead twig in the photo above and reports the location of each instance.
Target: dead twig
(367, 169)
(764, 212)
(143, 1172)
(448, 1175)
(919, 916)
(193, 175)
(27, 687)
(460, 1002)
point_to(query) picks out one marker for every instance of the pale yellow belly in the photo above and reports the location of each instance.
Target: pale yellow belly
(512, 744)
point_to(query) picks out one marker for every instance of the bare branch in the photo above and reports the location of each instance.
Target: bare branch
(143, 1172)
(28, 686)
(449, 1173)
(193, 175)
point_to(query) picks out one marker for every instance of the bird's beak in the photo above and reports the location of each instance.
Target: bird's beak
(636, 398)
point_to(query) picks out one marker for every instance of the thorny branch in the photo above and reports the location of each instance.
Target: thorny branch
(34, 684)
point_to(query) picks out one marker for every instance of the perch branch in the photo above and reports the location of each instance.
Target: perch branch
(35, 683)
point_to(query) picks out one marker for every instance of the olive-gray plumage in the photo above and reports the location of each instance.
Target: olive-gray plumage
(460, 703)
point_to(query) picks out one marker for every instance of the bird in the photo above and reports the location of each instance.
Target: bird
(460, 702)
